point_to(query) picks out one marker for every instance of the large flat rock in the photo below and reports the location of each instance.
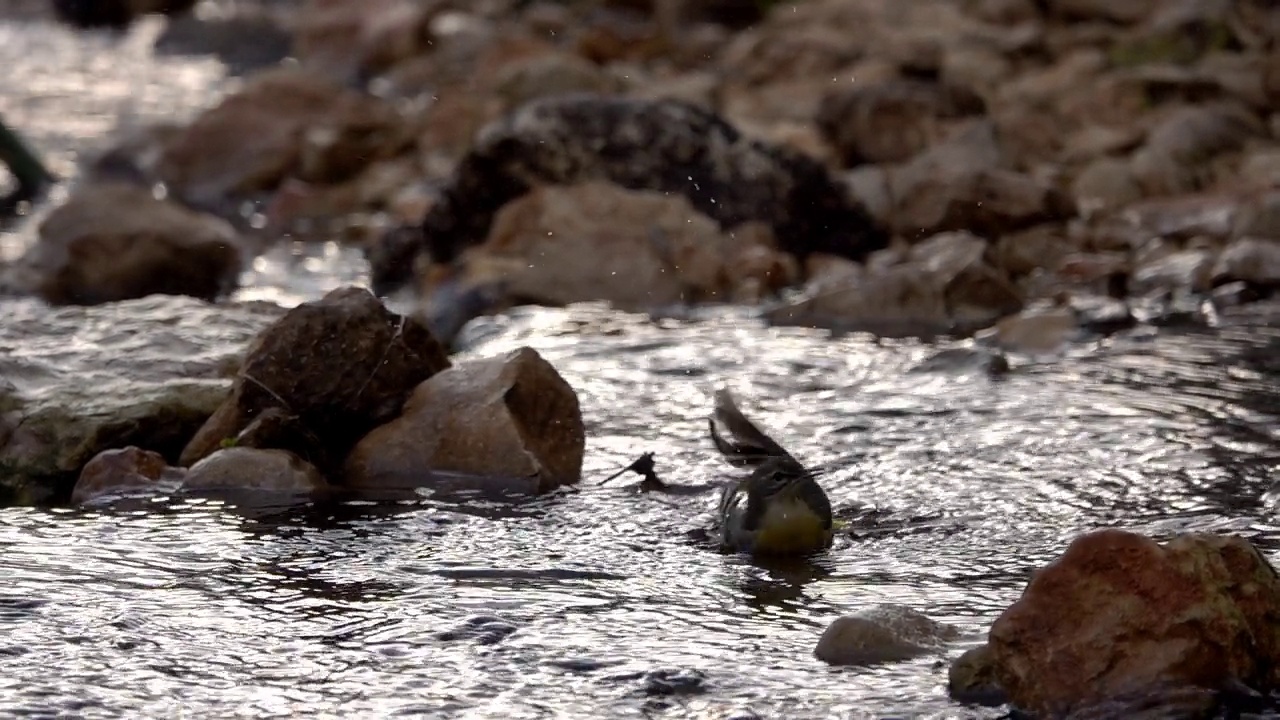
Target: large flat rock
(78, 380)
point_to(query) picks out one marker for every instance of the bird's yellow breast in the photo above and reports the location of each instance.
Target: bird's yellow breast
(791, 527)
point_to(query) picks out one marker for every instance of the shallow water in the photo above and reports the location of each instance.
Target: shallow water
(593, 602)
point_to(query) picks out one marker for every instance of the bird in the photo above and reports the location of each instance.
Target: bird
(777, 510)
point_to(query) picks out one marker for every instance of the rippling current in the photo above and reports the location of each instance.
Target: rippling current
(595, 602)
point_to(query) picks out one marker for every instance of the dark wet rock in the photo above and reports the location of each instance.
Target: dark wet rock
(882, 634)
(81, 380)
(1026, 251)
(256, 470)
(972, 678)
(990, 362)
(277, 428)
(115, 472)
(283, 122)
(510, 419)
(635, 249)
(114, 13)
(481, 629)
(1119, 614)
(666, 146)
(673, 681)
(1102, 314)
(343, 364)
(891, 121)
(118, 242)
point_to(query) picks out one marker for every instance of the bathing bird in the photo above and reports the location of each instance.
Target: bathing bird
(777, 510)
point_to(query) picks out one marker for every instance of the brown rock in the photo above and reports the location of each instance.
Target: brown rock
(1176, 155)
(884, 633)
(350, 41)
(635, 249)
(662, 146)
(1036, 248)
(343, 365)
(1252, 260)
(116, 242)
(509, 419)
(1125, 11)
(1105, 184)
(252, 469)
(552, 74)
(256, 137)
(944, 284)
(1040, 330)
(890, 121)
(1118, 613)
(988, 202)
(112, 472)
(1259, 217)
(972, 678)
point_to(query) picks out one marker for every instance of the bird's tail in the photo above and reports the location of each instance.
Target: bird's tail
(742, 443)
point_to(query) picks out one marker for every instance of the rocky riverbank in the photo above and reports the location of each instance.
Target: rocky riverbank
(900, 167)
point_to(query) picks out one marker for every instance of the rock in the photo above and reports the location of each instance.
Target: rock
(351, 41)
(890, 121)
(1123, 11)
(343, 364)
(665, 146)
(256, 470)
(972, 678)
(1175, 157)
(117, 242)
(1258, 218)
(1035, 248)
(944, 285)
(1105, 184)
(1182, 270)
(1184, 217)
(283, 122)
(1252, 260)
(549, 75)
(957, 185)
(884, 633)
(81, 380)
(635, 249)
(510, 420)
(1040, 330)
(114, 472)
(1119, 613)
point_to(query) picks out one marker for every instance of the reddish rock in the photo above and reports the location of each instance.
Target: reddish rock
(1119, 613)
(511, 420)
(112, 472)
(890, 121)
